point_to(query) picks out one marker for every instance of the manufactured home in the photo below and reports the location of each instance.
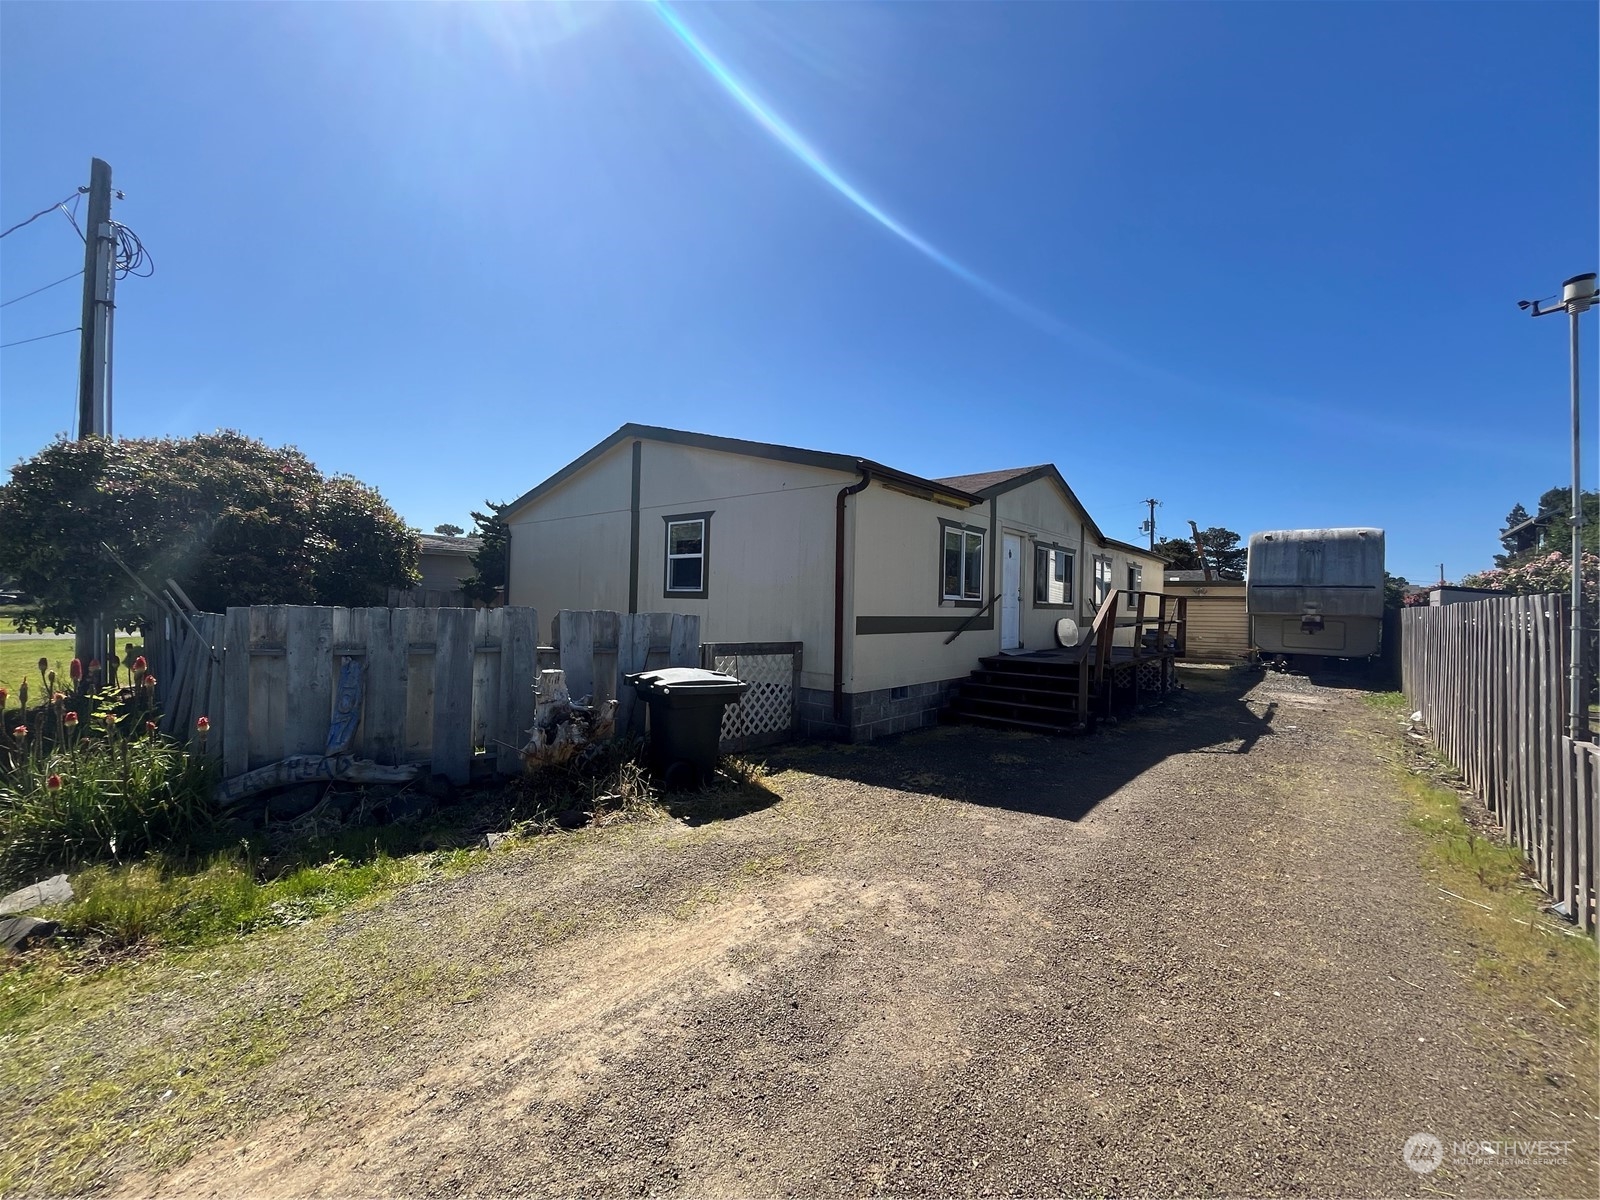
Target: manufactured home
(895, 585)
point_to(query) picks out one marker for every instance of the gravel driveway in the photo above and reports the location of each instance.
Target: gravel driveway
(1194, 953)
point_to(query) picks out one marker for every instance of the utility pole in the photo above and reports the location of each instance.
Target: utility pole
(99, 290)
(1150, 525)
(1577, 297)
(94, 366)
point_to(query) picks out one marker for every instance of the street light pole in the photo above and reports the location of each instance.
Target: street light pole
(1577, 295)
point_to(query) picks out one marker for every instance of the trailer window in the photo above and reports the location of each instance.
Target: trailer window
(1053, 572)
(1102, 579)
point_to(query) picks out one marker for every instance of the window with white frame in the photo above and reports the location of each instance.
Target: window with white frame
(963, 563)
(688, 546)
(1135, 584)
(1053, 572)
(1102, 579)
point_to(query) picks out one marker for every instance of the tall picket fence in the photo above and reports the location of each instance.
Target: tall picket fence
(450, 687)
(1490, 679)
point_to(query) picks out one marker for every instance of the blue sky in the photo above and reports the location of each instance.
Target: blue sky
(1259, 261)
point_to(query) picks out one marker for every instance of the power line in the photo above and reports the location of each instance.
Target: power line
(40, 338)
(45, 288)
(132, 257)
(38, 214)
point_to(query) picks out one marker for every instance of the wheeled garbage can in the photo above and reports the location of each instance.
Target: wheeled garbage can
(686, 706)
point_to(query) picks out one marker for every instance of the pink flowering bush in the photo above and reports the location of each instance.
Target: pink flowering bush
(1549, 574)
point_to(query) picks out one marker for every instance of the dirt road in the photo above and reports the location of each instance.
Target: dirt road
(1192, 954)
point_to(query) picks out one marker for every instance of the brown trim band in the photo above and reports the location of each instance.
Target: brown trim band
(633, 531)
(870, 625)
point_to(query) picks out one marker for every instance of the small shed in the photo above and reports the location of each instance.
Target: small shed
(1448, 593)
(1218, 626)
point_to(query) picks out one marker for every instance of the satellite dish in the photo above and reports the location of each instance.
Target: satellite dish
(1066, 632)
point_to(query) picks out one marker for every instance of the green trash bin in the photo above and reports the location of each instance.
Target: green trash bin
(686, 706)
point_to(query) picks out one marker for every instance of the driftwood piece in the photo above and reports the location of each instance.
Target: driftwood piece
(311, 768)
(561, 729)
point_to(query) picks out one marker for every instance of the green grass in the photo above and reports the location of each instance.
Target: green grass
(216, 966)
(1522, 954)
(1389, 702)
(20, 660)
(89, 1083)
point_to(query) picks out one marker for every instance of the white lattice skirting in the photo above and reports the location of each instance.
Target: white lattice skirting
(766, 713)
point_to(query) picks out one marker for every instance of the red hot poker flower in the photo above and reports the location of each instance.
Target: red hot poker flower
(53, 783)
(76, 669)
(203, 724)
(139, 665)
(69, 719)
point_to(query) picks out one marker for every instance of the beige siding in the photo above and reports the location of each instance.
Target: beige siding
(771, 547)
(770, 567)
(1041, 514)
(1218, 629)
(569, 548)
(898, 565)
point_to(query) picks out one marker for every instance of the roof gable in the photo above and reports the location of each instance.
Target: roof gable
(845, 463)
(1015, 477)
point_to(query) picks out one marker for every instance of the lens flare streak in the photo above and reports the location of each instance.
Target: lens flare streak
(807, 154)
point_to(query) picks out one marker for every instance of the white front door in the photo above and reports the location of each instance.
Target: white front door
(1011, 593)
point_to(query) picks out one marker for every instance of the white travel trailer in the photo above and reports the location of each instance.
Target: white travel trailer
(1316, 591)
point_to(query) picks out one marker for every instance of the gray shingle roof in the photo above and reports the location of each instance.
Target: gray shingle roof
(988, 479)
(436, 543)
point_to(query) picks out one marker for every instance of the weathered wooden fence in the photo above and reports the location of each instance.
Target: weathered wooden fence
(418, 597)
(451, 687)
(1490, 679)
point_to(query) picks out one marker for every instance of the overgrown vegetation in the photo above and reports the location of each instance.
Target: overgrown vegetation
(1524, 955)
(233, 520)
(86, 777)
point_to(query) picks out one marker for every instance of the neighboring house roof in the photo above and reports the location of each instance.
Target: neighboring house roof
(438, 543)
(706, 441)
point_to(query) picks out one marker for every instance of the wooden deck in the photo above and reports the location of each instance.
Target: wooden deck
(1066, 689)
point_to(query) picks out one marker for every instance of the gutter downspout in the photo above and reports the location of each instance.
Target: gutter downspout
(838, 589)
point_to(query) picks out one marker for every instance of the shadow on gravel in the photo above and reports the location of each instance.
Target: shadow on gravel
(720, 803)
(1062, 777)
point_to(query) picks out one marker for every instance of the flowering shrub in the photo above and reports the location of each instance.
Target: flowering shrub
(85, 787)
(1544, 575)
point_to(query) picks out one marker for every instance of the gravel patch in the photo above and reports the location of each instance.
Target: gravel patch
(1193, 953)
